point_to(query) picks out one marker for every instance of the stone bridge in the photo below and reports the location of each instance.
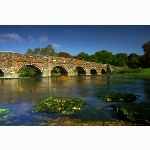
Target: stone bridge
(10, 63)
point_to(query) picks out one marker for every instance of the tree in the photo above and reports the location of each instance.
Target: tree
(82, 56)
(37, 51)
(104, 56)
(47, 51)
(118, 61)
(124, 56)
(134, 61)
(64, 54)
(143, 62)
(29, 51)
(93, 58)
(146, 49)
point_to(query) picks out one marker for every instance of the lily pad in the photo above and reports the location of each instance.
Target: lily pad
(65, 105)
(116, 97)
(133, 112)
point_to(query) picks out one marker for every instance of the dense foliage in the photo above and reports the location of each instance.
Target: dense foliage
(132, 60)
(46, 51)
(64, 54)
(29, 71)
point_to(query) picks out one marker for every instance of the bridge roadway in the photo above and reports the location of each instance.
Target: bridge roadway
(10, 63)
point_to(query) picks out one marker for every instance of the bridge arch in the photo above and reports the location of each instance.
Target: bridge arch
(93, 71)
(1, 72)
(103, 71)
(25, 70)
(81, 70)
(59, 70)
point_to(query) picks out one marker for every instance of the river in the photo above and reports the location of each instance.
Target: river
(19, 96)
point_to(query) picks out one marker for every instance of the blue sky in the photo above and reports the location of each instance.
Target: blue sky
(74, 39)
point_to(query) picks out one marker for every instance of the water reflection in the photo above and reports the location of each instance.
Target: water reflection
(20, 95)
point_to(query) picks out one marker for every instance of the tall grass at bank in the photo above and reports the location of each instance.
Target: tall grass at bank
(133, 72)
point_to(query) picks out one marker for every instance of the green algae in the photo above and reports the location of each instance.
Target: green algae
(65, 105)
(5, 115)
(133, 112)
(116, 96)
(2, 110)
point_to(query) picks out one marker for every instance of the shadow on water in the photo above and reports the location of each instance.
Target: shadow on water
(19, 96)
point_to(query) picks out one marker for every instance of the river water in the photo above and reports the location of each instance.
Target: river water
(20, 96)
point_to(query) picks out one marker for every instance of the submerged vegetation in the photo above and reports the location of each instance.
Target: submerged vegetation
(5, 115)
(133, 112)
(65, 105)
(116, 96)
(3, 110)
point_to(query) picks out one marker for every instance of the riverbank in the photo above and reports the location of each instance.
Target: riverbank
(141, 72)
(65, 121)
(9, 77)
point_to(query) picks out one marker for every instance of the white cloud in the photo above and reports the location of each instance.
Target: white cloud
(11, 37)
(55, 45)
(70, 31)
(31, 39)
(43, 38)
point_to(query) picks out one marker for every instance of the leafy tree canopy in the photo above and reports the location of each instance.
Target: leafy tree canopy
(64, 54)
(82, 56)
(146, 47)
(123, 55)
(47, 51)
(103, 56)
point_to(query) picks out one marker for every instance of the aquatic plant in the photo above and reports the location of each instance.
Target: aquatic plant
(116, 96)
(3, 110)
(65, 105)
(133, 112)
(5, 115)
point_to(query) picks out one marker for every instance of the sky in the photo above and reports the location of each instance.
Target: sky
(75, 39)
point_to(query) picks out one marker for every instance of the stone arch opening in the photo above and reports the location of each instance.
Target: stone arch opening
(59, 70)
(93, 72)
(1, 73)
(29, 71)
(80, 70)
(103, 71)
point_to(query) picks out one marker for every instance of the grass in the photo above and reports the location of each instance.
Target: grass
(141, 72)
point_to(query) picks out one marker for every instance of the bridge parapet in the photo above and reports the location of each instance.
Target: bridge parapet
(10, 63)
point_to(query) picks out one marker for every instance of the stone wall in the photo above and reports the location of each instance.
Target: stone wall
(11, 62)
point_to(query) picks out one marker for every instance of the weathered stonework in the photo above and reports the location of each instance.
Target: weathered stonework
(10, 63)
